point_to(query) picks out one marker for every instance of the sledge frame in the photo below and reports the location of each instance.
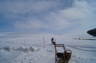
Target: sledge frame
(66, 56)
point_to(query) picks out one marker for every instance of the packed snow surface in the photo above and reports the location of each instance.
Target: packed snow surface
(37, 48)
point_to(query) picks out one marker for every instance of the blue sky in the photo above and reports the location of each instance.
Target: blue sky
(47, 16)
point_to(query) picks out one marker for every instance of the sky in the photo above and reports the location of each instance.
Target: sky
(47, 16)
(27, 22)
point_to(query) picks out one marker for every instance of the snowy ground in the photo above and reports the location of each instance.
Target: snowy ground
(38, 49)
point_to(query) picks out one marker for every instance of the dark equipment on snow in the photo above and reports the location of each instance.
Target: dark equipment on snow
(61, 57)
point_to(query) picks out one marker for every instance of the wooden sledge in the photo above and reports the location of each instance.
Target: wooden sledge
(61, 57)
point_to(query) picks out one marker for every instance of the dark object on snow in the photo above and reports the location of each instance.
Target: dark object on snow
(60, 55)
(52, 40)
(63, 57)
(67, 55)
(92, 32)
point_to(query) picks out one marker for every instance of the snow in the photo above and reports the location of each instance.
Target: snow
(34, 48)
